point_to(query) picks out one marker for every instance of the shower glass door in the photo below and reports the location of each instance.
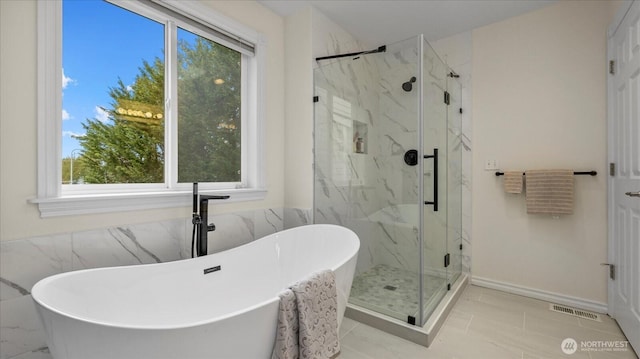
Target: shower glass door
(366, 121)
(454, 180)
(435, 181)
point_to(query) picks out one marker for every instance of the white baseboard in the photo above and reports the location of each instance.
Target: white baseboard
(541, 294)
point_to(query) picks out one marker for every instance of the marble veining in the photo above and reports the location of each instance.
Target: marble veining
(370, 88)
(24, 262)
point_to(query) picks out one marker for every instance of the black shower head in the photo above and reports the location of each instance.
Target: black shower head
(408, 86)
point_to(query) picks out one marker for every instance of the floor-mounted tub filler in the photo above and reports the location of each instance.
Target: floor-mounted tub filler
(223, 305)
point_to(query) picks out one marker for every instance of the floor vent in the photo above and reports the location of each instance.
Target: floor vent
(574, 312)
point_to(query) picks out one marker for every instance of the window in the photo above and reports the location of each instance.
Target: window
(137, 100)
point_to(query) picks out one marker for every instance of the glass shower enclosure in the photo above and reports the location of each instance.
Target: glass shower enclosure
(387, 164)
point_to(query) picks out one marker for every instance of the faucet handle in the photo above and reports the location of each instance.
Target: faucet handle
(208, 197)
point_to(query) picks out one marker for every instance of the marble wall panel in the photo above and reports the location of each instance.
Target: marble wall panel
(20, 327)
(25, 261)
(295, 217)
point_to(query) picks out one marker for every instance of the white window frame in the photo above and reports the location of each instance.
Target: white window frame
(54, 199)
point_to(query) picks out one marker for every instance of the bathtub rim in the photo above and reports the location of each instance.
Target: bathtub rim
(41, 284)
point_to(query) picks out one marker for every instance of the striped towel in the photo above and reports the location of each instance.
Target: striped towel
(549, 192)
(512, 181)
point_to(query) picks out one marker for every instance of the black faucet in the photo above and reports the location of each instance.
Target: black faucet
(200, 219)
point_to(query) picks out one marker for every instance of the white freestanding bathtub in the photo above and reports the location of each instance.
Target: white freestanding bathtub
(175, 310)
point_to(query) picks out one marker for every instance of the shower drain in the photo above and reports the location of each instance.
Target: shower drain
(574, 312)
(390, 287)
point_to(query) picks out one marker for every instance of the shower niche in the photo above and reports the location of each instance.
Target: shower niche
(398, 98)
(360, 132)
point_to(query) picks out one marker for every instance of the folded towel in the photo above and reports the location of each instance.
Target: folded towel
(308, 319)
(549, 191)
(512, 181)
(286, 346)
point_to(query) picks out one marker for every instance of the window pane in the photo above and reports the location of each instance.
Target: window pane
(209, 98)
(113, 95)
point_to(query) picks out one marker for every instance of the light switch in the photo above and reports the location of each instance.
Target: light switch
(490, 165)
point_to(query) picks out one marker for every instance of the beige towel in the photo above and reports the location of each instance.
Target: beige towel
(549, 191)
(313, 334)
(512, 181)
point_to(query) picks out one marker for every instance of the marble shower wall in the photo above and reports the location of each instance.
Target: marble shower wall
(399, 125)
(361, 189)
(375, 193)
(347, 110)
(25, 261)
(346, 177)
(398, 184)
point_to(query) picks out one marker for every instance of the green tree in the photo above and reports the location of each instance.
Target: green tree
(129, 147)
(209, 143)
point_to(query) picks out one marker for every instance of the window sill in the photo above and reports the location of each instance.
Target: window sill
(108, 203)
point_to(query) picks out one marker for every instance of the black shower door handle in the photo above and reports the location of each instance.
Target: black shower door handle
(435, 179)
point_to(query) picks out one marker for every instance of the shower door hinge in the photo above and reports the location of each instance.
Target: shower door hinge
(315, 99)
(446, 260)
(448, 286)
(460, 109)
(460, 246)
(447, 98)
(612, 67)
(612, 169)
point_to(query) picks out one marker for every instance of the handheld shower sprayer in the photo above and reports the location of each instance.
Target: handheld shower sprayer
(195, 218)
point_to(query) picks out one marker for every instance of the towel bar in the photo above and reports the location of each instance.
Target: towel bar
(582, 173)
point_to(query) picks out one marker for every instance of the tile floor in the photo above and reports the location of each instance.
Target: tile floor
(489, 324)
(393, 291)
(484, 324)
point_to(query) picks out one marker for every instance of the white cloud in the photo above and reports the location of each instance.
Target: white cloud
(101, 115)
(65, 115)
(129, 88)
(66, 80)
(72, 134)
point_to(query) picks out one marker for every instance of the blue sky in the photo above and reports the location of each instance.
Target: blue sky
(99, 47)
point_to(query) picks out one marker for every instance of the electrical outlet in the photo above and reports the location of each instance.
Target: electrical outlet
(490, 165)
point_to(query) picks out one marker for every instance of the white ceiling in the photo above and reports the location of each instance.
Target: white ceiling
(378, 22)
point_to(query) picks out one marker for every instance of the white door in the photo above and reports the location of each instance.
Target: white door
(624, 152)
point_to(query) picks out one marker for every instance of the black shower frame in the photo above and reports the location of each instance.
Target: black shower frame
(382, 48)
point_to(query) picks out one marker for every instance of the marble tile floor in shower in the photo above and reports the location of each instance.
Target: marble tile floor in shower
(392, 291)
(489, 324)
